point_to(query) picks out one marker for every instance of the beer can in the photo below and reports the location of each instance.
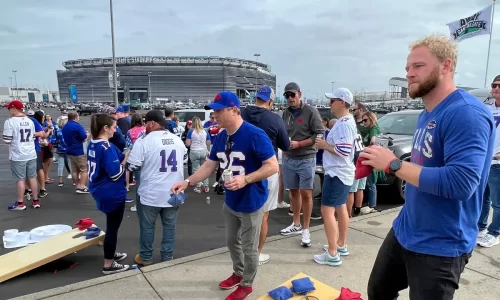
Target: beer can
(382, 141)
(320, 136)
(227, 175)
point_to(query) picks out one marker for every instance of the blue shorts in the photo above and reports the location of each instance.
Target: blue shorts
(334, 192)
(298, 174)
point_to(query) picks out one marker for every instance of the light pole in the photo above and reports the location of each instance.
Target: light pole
(332, 85)
(113, 50)
(92, 86)
(149, 88)
(15, 80)
(256, 57)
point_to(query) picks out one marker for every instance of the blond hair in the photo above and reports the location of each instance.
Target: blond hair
(62, 122)
(372, 117)
(441, 46)
(196, 126)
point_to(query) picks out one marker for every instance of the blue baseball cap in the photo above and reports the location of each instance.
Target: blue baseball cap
(266, 93)
(126, 108)
(120, 109)
(223, 100)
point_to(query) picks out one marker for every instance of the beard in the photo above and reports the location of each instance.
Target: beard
(426, 86)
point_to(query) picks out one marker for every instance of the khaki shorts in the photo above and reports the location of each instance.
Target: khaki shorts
(78, 163)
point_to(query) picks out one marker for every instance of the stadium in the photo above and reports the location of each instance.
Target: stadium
(157, 79)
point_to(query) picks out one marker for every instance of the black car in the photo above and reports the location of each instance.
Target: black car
(400, 127)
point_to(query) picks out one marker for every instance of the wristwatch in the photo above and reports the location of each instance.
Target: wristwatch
(394, 166)
(248, 179)
(188, 181)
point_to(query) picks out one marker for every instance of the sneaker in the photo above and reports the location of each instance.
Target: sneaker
(489, 241)
(367, 210)
(60, 184)
(290, 212)
(315, 216)
(42, 193)
(231, 282)
(482, 233)
(197, 189)
(133, 208)
(327, 259)
(242, 292)
(215, 184)
(115, 268)
(283, 205)
(318, 197)
(82, 191)
(306, 238)
(132, 183)
(35, 204)
(129, 200)
(28, 194)
(263, 259)
(69, 177)
(292, 230)
(343, 251)
(138, 260)
(206, 189)
(17, 206)
(120, 256)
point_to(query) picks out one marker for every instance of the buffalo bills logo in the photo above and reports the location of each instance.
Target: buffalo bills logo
(431, 125)
(262, 90)
(217, 98)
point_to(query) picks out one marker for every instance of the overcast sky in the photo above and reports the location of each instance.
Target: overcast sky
(356, 44)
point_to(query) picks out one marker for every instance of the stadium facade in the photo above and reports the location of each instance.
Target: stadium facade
(158, 78)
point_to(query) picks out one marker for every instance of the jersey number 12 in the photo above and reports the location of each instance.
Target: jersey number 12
(170, 160)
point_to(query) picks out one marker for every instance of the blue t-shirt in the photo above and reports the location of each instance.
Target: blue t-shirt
(38, 128)
(74, 135)
(249, 147)
(171, 126)
(454, 145)
(106, 180)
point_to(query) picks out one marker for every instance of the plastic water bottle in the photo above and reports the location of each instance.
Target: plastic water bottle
(208, 200)
(133, 267)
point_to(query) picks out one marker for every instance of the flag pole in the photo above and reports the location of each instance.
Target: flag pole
(489, 44)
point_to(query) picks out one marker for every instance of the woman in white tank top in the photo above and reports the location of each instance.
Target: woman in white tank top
(198, 140)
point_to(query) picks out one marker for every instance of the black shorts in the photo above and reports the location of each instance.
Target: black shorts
(39, 162)
(47, 153)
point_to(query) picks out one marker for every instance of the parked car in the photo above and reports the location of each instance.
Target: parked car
(400, 127)
(188, 114)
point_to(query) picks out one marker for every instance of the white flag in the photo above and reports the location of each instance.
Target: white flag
(477, 24)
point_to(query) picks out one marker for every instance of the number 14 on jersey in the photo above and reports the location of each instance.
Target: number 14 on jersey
(168, 160)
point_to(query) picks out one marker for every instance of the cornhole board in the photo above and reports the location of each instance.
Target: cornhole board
(322, 292)
(35, 255)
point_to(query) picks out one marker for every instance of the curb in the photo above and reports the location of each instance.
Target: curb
(163, 265)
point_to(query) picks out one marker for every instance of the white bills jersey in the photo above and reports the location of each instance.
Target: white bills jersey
(19, 133)
(160, 157)
(342, 137)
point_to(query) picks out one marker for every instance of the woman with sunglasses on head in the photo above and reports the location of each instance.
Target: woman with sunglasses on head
(369, 120)
(107, 186)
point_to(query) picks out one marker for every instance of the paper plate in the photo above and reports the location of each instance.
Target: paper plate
(44, 232)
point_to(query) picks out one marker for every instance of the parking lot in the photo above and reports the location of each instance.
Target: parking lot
(200, 227)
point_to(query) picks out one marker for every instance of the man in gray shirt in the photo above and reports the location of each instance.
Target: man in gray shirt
(303, 124)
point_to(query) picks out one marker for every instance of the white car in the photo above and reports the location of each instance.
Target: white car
(188, 114)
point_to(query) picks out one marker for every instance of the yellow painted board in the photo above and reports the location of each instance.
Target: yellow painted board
(33, 256)
(322, 292)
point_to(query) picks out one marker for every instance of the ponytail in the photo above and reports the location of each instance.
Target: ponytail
(97, 123)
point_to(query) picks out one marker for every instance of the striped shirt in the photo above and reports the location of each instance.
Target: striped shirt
(342, 138)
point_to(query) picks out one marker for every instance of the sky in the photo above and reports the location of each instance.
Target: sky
(359, 45)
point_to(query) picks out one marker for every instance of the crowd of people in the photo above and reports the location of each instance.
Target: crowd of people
(257, 154)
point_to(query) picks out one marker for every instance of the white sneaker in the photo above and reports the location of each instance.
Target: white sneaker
(263, 259)
(133, 208)
(367, 210)
(283, 205)
(327, 259)
(489, 241)
(306, 238)
(69, 177)
(482, 233)
(343, 251)
(292, 230)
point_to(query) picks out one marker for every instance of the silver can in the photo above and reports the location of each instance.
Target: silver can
(382, 141)
(227, 175)
(319, 136)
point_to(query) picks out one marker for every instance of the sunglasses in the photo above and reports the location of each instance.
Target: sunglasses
(495, 85)
(289, 95)
(228, 145)
(365, 120)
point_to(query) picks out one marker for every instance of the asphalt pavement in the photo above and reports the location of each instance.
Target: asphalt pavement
(200, 226)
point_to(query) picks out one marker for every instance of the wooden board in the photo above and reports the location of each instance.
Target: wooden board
(322, 292)
(33, 256)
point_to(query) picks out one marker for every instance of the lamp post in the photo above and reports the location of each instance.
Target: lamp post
(92, 86)
(256, 57)
(15, 81)
(149, 88)
(113, 50)
(332, 85)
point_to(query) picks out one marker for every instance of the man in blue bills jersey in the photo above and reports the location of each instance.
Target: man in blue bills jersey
(248, 153)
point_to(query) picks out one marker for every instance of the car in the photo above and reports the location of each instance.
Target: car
(399, 127)
(188, 114)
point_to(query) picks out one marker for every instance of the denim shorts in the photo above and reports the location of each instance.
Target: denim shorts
(334, 192)
(299, 173)
(358, 185)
